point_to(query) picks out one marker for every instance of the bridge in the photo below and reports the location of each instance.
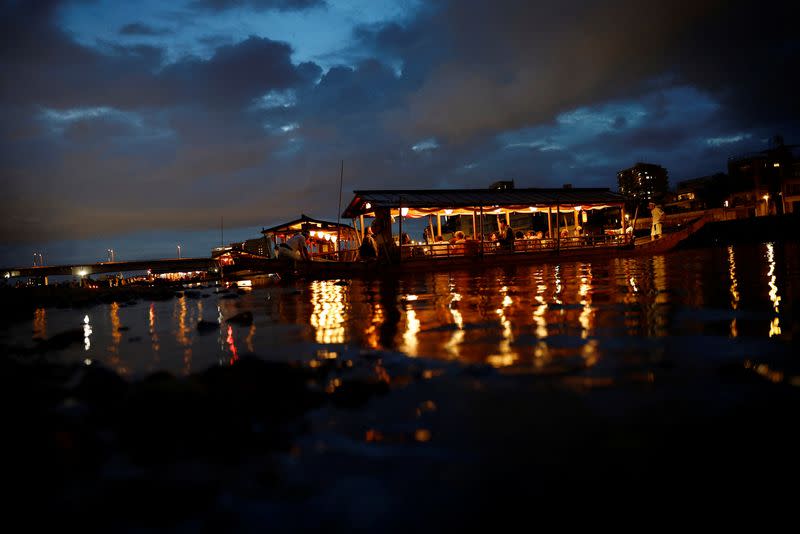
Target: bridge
(174, 265)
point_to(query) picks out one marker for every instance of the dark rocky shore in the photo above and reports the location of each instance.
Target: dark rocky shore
(87, 445)
(366, 444)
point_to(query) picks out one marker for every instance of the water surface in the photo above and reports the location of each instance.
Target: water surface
(600, 317)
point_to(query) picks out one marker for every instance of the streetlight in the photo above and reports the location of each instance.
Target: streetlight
(179, 252)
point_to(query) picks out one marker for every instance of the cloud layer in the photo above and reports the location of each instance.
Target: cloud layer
(111, 136)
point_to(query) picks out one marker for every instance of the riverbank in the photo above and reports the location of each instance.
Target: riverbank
(381, 442)
(773, 228)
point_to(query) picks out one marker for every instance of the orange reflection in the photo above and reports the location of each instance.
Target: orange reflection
(505, 355)
(541, 351)
(658, 310)
(151, 322)
(410, 343)
(734, 289)
(182, 334)
(774, 325)
(586, 318)
(372, 332)
(40, 323)
(116, 336)
(452, 345)
(328, 311)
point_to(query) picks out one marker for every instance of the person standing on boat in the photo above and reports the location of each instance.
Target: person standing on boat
(506, 238)
(657, 214)
(369, 248)
(427, 235)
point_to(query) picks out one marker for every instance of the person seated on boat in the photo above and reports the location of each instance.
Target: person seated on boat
(506, 238)
(368, 250)
(538, 235)
(458, 243)
(296, 247)
(564, 233)
(578, 232)
(519, 235)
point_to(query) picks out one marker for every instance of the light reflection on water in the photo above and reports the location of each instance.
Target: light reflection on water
(734, 289)
(527, 317)
(328, 301)
(774, 326)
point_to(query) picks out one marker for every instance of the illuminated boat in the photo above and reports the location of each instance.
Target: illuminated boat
(328, 241)
(552, 225)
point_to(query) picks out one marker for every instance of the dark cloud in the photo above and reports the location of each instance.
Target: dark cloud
(46, 67)
(104, 140)
(258, 5)
(54, 71)
(109, 138)
(234, 75)
(140, 28)
(500, 67)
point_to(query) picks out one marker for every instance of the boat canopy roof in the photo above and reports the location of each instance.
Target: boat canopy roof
(421, 202)
(315, 225)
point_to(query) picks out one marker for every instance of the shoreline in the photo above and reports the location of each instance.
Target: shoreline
(383, 441)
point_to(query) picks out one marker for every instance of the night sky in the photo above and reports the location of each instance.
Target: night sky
(137, 125)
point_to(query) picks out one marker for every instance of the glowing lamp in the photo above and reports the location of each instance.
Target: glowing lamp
(578, 208)
(403, 211)
(766, 197)
(367, 206)
(448, 212)
(532, 208)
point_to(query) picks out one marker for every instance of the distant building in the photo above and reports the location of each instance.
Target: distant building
(766, 182)
(705, 192)
(642, 183)
(258, 246)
